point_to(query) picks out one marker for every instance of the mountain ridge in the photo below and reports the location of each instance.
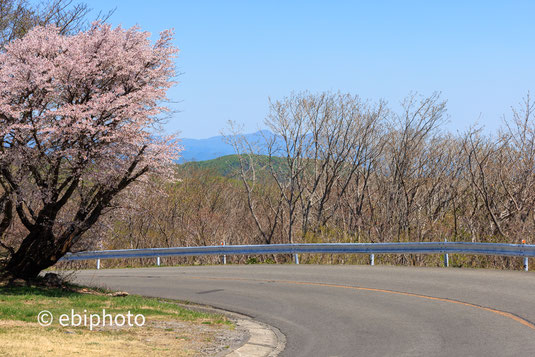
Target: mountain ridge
(212, 148)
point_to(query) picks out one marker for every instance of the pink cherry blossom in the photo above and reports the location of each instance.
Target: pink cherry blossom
(78, 116)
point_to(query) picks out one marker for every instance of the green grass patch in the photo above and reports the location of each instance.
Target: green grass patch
(25, 303)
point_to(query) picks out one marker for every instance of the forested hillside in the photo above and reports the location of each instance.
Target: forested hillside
(229, 165)
(346, 171)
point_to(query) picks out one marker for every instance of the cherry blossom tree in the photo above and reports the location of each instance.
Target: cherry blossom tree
(78, 115)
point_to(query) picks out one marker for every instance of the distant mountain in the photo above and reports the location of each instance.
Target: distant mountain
(211, 148)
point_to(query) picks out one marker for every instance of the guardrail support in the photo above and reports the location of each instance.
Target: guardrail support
(526, 264)
(296, 258)
(224, 255)
(372, 259)
(446, 257)
(98, 263)
(158, 261)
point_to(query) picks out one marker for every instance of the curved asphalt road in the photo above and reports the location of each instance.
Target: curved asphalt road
(358, 310)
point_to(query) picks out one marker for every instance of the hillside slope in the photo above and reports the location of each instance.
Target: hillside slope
(229, 165)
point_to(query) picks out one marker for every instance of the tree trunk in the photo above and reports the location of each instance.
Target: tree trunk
(36, 253)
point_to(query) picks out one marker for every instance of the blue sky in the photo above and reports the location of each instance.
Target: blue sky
(236, 54)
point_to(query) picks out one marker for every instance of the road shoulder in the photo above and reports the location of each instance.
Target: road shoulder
(262, 339)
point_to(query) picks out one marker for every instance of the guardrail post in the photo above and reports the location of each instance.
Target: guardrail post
(158, 261)
(526, 264)
(224, 255)
(372, 259)
(446, 257)
(296, 258)
(98, 263)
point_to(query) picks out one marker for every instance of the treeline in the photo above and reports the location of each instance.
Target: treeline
(340, 169)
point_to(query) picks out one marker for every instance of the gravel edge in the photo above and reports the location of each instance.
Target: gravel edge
(262, 340)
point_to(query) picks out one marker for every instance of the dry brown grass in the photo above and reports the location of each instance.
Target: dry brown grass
(159, 337)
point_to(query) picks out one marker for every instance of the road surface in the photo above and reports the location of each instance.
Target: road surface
(358, 310)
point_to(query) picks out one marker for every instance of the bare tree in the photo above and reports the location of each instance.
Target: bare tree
(17, 17)
(501, 173)
(265, 208)
(315, 147)
(405, 164)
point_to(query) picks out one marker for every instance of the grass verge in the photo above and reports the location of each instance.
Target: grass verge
(169, 329)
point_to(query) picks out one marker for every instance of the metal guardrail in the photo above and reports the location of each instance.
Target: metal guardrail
(517, 250)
